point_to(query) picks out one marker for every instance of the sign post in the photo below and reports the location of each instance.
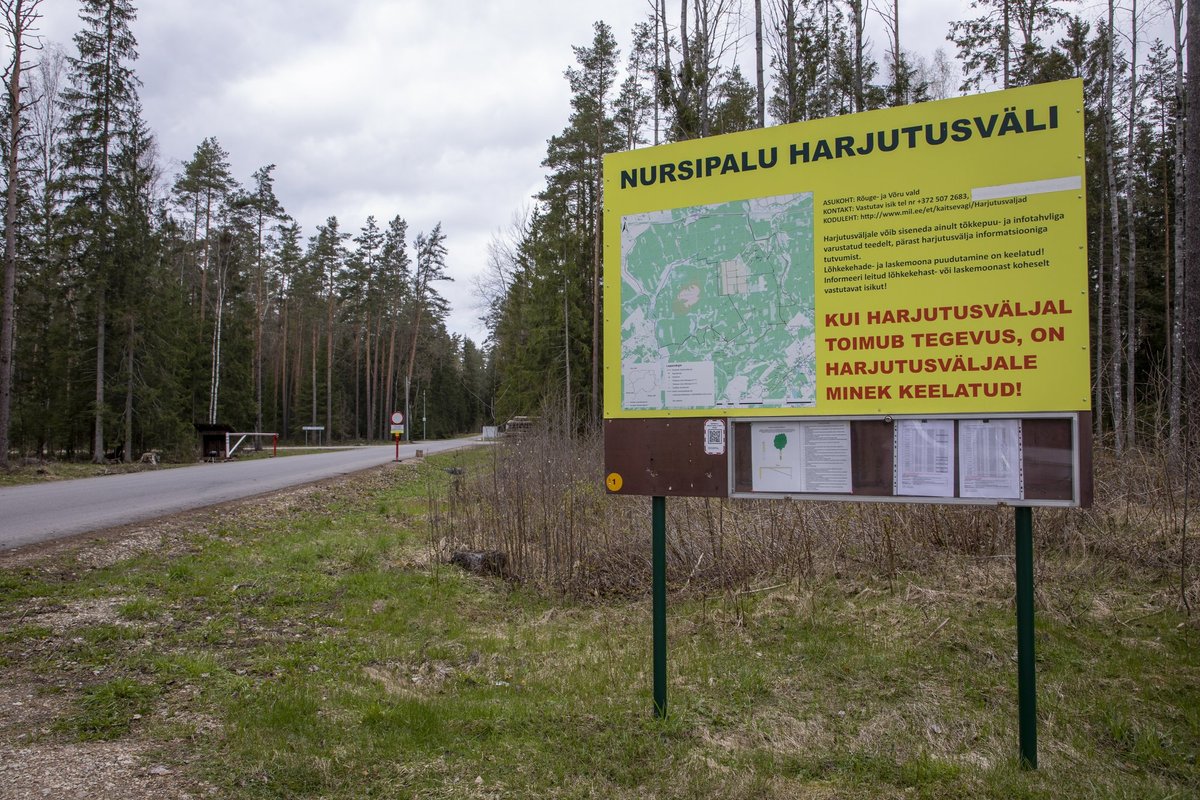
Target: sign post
(1026, 665)
(889, 306)
(397, 430)
(659, 567)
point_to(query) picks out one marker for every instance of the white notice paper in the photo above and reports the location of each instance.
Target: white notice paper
(990, 459)
(825, 456)
(690, 384)
(641, 386)
(714, 437)
(775, 457)
(924, 457)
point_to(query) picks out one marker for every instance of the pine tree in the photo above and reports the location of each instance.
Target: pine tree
(426, 302)
(1004, 44)
(590, 86)
(100, 102)
(202, 190)
(134, 261)
(289, 265)
(267, 212)
(635, 102)
(362, 300)
(737, 103)
(327, 260)
(395, 284)
(800, 58)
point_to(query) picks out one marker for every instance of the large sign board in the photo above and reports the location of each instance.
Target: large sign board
(927, 260)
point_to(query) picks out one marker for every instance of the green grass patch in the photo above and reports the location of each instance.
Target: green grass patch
(108, 711)
(337, 661)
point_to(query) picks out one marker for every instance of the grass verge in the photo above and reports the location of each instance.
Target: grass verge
(321, 651)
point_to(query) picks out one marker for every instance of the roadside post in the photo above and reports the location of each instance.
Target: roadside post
(397, 430)
(885, 307)
(1026, 663)
(659, 557)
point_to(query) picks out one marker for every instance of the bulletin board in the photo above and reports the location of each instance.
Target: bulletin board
(884, 288)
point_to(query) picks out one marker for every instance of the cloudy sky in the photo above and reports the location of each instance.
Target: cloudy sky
(436, 111)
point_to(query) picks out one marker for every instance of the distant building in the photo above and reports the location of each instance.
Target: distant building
(213, 439)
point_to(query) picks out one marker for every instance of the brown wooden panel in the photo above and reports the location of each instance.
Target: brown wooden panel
(1083, 432)
(663, 457)
(872, 442)
(1048, 458)
(743, 455)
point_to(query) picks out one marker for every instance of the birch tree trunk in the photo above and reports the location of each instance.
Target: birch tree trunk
(215, 377)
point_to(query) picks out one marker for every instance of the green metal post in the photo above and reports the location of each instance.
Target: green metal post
(659, 568)
(1026, 669)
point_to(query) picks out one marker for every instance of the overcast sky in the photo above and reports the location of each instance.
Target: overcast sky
(436, 111)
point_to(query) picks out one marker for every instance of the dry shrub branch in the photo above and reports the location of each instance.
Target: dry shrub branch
(543, 504)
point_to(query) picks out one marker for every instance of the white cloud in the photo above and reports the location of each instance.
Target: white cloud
(435, 111)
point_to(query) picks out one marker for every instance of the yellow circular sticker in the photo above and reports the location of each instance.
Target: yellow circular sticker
(614, 481)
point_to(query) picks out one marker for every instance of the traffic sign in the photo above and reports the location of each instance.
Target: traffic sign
(397, 417)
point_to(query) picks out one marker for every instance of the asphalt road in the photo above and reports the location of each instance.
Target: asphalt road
(45, 511)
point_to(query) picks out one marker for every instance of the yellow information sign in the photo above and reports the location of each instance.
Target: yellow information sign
(923, 259)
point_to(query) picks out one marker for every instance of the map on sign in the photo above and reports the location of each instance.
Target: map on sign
(717, 306)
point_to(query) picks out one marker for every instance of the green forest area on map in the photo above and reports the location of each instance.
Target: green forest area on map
(717, 305)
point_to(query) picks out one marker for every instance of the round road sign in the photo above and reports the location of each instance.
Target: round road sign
(397, 417)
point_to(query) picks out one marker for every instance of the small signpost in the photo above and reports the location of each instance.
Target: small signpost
(397, 430)
(882, 307)
(317, 430)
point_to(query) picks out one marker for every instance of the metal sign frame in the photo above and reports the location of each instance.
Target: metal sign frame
(1080, 452)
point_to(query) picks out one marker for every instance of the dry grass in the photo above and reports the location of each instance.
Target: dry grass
(542, 503)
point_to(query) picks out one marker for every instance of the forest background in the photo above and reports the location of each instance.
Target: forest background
(138, 301)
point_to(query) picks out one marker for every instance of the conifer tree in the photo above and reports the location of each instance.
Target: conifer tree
(327, 260)
(134, 250)
(202, 190)
(267, 211)
(100, 103)
(430, 267)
